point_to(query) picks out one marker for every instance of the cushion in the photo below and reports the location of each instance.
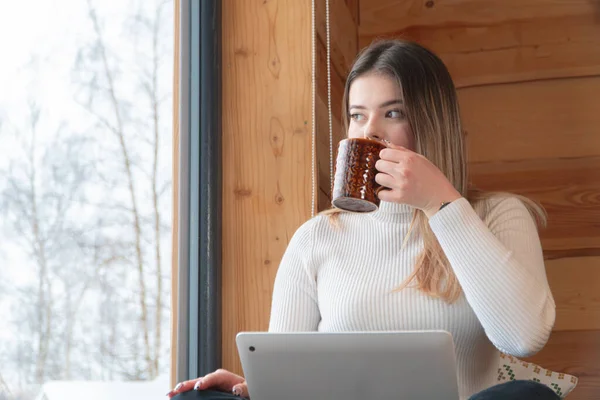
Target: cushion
(511, 368)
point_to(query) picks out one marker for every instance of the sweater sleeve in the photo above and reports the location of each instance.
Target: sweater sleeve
(294, 304)
(500, 266)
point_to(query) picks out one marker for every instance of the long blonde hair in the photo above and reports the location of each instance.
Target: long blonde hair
(432, 110)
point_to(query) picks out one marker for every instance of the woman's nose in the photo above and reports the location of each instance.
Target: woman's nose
(372, 131)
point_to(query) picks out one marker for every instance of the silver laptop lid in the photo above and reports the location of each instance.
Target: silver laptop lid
(349, 366)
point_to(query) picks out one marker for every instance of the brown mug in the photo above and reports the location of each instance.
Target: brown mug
(354, 186)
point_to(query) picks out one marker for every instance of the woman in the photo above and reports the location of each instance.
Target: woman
(436, 255)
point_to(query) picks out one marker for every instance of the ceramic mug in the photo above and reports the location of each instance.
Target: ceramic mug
(354, 186)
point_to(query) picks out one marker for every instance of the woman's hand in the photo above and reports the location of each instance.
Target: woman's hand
(221, 380)
(409, 178)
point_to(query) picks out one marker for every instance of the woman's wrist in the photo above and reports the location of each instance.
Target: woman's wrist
(441, 202)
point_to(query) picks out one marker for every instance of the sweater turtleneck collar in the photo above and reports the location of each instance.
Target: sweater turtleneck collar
(393, 212)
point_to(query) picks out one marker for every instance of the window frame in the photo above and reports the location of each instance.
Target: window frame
(200, 182)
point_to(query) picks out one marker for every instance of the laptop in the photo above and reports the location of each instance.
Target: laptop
(349, 366)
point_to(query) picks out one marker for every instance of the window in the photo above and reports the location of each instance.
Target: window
(85, 197)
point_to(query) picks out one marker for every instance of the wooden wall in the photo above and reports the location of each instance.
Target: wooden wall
(528, 73)
(267, 120)
(266, 153)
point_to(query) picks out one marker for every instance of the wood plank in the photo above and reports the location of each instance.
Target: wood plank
(323, 153)
(337, 82)
(545, 119)
(574, 283)
(322, 116)
(344, 45)
(576, 353)
(569, 190)
(266, 153)
(513, 51)
(324, 200)
(343, 33)
(384, 16)
(353, 6)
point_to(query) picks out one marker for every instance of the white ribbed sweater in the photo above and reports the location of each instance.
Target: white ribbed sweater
(342, 279)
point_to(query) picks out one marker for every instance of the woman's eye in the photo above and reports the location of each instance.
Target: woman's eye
(356, 117)
(395, 114)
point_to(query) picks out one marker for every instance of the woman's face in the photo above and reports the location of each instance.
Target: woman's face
(377, 111)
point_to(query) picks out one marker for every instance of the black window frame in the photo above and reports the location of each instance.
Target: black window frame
(200, 181)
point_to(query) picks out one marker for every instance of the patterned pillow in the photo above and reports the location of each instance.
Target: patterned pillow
(512, 368)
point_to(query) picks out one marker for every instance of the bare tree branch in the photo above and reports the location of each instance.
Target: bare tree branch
(126, 160)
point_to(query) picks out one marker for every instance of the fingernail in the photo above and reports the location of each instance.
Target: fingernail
(197, 385)
(236, 391)
(170, 393)
(179, 385)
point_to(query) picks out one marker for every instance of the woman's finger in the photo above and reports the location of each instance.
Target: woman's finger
(183, 387)
(241, 390)
(221, 379)
(395, 146)
(385, 180)
(385, 166)
(393, 154)
(388, 195)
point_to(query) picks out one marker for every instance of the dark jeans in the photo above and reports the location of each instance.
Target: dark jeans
(513, 390)
(205, 394)
(517, 390)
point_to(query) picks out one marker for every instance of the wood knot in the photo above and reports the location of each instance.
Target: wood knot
(276, 136)
(241, 192)
(242, 52)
